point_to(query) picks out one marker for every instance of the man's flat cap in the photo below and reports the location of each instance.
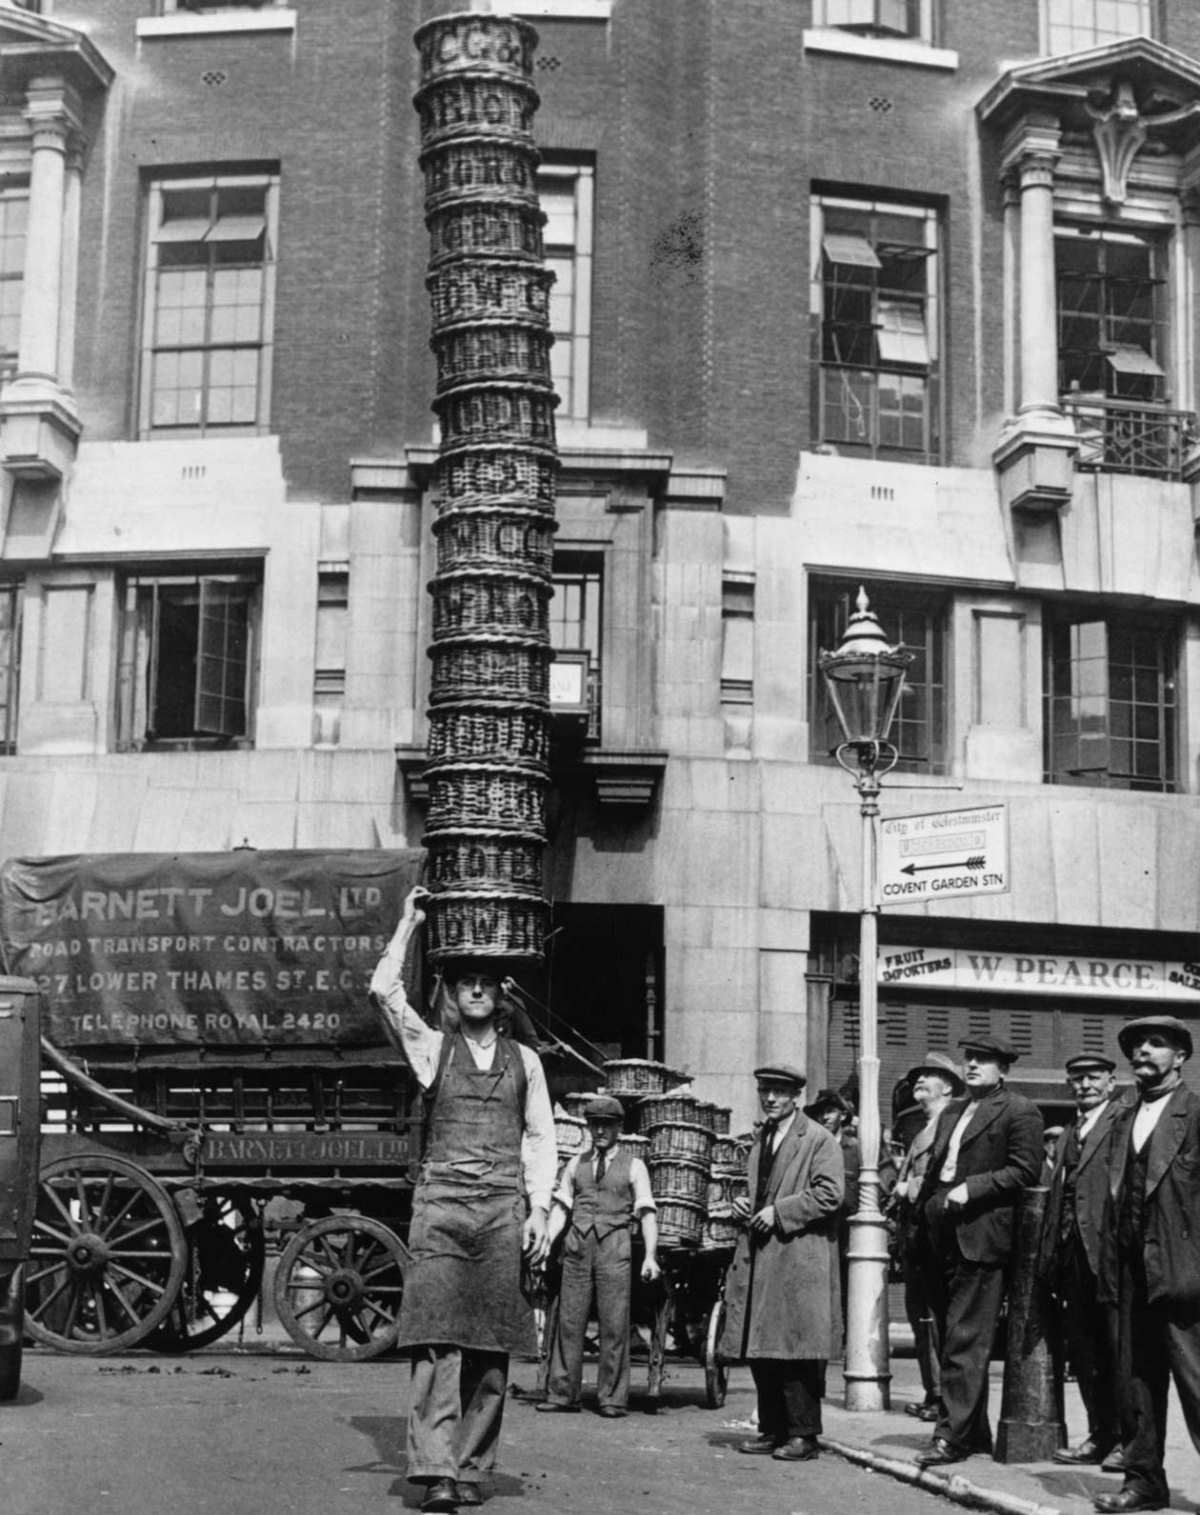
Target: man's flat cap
(1166, 1025)
(1088, 1062)
(829, 1099)
(943, 1065)
(604, 1107)
(782, 1073)
(991, 1046)
(1053, 1131)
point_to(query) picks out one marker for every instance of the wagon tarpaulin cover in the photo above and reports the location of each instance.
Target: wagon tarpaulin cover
(207, 948)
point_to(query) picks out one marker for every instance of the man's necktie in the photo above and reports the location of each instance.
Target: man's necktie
(600, 1165)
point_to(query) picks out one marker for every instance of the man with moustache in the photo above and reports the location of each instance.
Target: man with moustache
(1069, 1258)
(934, 1082)
(1150, 1266)
(986, 1149)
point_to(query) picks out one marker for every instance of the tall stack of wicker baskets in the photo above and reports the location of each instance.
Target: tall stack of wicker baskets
(497, 468)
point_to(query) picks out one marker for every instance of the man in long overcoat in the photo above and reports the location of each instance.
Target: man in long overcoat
(783, 1314)
(987, 1148)
(1069, 1259)
(1148, 1264)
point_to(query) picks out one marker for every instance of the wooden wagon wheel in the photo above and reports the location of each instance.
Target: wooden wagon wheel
(338, 1286)
(223, 1274)
(106, 1259)
(716, 1375)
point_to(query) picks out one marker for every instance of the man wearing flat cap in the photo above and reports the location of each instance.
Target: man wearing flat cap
(1069, 1258)
(934, 1081)
(600, 1193)
(782, 1313)
(987, 1147)
(1150, 1265)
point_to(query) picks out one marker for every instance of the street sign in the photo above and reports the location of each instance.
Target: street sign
(943, 854)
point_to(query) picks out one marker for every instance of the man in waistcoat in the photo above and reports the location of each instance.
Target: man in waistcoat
(1069, 1259)
(782, 1311)
(986, 1149)
(1149, 1264)
(481, 1201)
(599, 1194)
(934, 1082)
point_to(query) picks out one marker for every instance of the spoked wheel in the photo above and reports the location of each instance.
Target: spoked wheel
(223, 1274)
(338, 1287)
(716, 1375)
(107, 1256)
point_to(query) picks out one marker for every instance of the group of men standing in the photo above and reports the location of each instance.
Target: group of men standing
(1118, 1253)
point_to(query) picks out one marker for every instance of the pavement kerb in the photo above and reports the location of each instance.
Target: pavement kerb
(950, 1485)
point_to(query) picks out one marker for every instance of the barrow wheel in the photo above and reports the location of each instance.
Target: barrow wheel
(716, 1375)
(222, 1277)
(338, 1286)
(106, 1259)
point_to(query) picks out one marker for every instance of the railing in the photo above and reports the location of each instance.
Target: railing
(1121, 436)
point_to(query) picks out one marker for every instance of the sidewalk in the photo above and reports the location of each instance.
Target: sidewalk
(888, 1441)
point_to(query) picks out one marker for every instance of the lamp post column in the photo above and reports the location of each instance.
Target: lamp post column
(866, 1366)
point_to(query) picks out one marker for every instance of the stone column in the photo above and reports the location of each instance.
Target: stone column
(1039, 304)
(72, 199)
(52, 113)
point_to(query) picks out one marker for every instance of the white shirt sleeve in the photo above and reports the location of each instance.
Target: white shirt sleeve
(643, 1196)
(539, 1149)
(564, 1195)
(420, 1044)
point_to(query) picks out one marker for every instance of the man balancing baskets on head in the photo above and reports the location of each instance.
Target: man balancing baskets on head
(480, 1205)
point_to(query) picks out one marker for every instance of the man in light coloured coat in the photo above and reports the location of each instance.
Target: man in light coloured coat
(783, 1313)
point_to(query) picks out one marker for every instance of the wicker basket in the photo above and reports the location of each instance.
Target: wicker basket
(472, 671)
(679, 1178)
(570, 1134)
(497, 411)
(681, 1139)
(576, 1102)
(721, 1231)
(680, 1222)
(724, 1186)
(466, 354)
(635, 1075)
(495, 537)
(453, 107)
(478, 860)
(478, 168)
(502, 927)
(502, 734)
(730, 1152)
(511, 471)
(466, 795)
(489, 601)
(500, 46)
(706, 1113)
(636, 1146)
(489, 289)
(475, 230)
(661, 1109)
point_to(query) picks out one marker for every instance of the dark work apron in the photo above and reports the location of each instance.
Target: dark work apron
(463, 1286)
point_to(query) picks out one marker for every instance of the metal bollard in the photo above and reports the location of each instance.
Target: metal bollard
(1031, 1409)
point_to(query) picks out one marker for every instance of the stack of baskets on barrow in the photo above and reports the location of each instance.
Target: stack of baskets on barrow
(678, 1135)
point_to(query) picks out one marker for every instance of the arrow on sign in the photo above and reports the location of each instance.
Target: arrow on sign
(977, 861)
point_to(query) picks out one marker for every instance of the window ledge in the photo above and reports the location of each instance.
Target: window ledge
(196, 24)
(886, 49)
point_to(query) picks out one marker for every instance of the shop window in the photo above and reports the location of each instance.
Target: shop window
(188, 660)
(329, 672)
(10, 664)
(876, 301)
(1110, 701)
(878, 18)
(918, 620)
(576, 623)
(209, 298)
(566, 194)
(14, 218)
(1070, 26)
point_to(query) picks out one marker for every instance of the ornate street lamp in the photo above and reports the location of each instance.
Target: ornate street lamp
(865, 678)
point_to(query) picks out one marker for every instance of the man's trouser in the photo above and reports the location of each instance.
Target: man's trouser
(789, 1396)
(1088, 1333)
(599, 1269)
(1154, 1345)
(918, 1307)
(967, 1299)
(456, 1403)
